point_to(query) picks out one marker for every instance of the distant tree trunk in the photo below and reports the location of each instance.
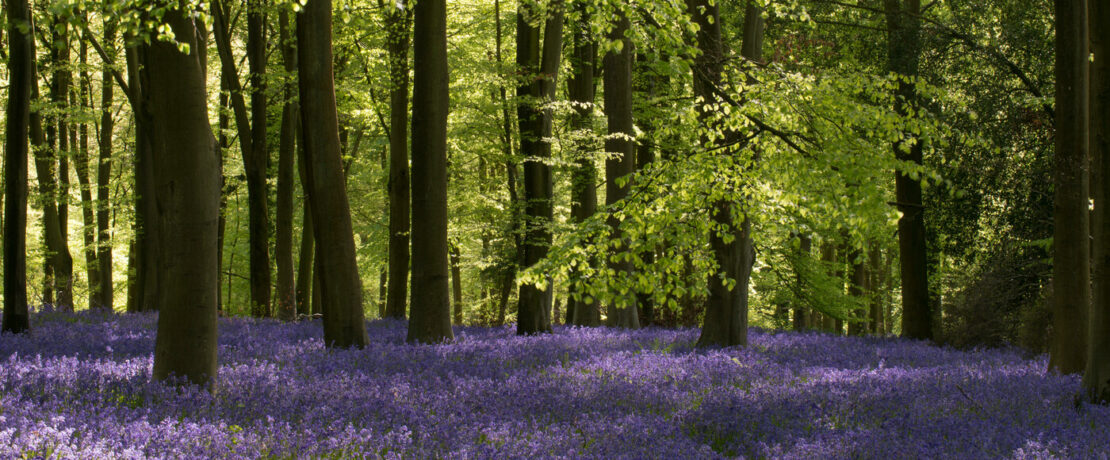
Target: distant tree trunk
(88, 212)
(104, 175)
(645, 155)
(903, 35)
(726, 311)
(305, 264)
(1096, 380)
(875, 284)
(283, 239)
(21, 59)
(618, 107)
(186, 175)
(223, 143)
(858, 287)
(1070, 266)
(430, 319)
(252, 141)
(383, 281)
(397, 29)
(581, 88)
(541, 71)
(341, 296)
(60, 261)
(456, 283)
(802, 315)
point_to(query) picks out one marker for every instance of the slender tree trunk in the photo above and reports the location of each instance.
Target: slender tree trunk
(88, 211)
(341, 296)
(903, 30)
(224, 144)
(1070, 267)
(583, 310)
(21, 58)
(618, 107)
(456, 283)
(104, 174)
(1096, 380)
(802, 314)
(143, 287)
(283, 248)
(875, 284)
(645, 154)
(187, 191)
(726, 311)
(305, 265)
(59, 259)
(858, 287)
(431, 310)
(397, 27)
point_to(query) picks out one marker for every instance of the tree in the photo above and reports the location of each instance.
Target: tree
(252, 141)
(1096, 379)
(340, 287)
(539, 68)
(283, 238)
(21, 55)
(617, 82)
(104, 175)
(431, 309)
(726, 310)
(187, 191)
(582, 309)
(903, 35)
(397, 25)
(1071, 251)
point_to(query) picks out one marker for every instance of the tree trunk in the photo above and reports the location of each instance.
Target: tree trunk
(88, 211)
(144, 287)
(340, 286)
(283, 247)
(305, 264)
(1070, 264)
(1097, 378)
(581, 88)
(58, 256)
(21, 59)
(534, 303)
(252, 142)
(726, 311)
(875, 284)
(430, 320)
(904, 24)
(104, 175)
(618, 107)
(802, 314)
(858, 287)
(397, 27)
(187, 191)
(456, 283)
(645, 155)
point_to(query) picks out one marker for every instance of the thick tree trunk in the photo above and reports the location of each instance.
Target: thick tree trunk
(104, 175)
(1097, 378)
(581, 88)
(431, 309)
(283, 239)
(534, 304)
(340, 286)
(904, 26)
(143, 287)
(726, 310)
(21, 59)
(397, 29)
(618, 107)
(187, 192)
(1070, 264)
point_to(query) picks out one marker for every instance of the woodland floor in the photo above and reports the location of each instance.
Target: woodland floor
(77, 387)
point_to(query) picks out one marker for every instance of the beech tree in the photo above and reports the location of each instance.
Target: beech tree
(187, 191)
(430, 319)
(340, 288)
(1096, 379)
(398, 22)
(582, 309)
(21, 58)
(283, 231)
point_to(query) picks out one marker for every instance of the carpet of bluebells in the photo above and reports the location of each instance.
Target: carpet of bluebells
(78, 387)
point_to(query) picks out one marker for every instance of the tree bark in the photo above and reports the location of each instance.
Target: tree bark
(283, 239)
(104, 175)
(726, 311)
(903, 35)
(802, 314)
(430, 320)
(540, 67)
(581, 88)
(1096, 380)
(88, 211)
(456, 283)
(1070, 264)
(187, 192)
(21, 58)
(617, 83)
(143, 287)
(397, 29)
(59, 259)
(305, 264)
(858, 287)
(340, 286)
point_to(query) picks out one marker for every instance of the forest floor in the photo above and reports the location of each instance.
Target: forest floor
(77, 387)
